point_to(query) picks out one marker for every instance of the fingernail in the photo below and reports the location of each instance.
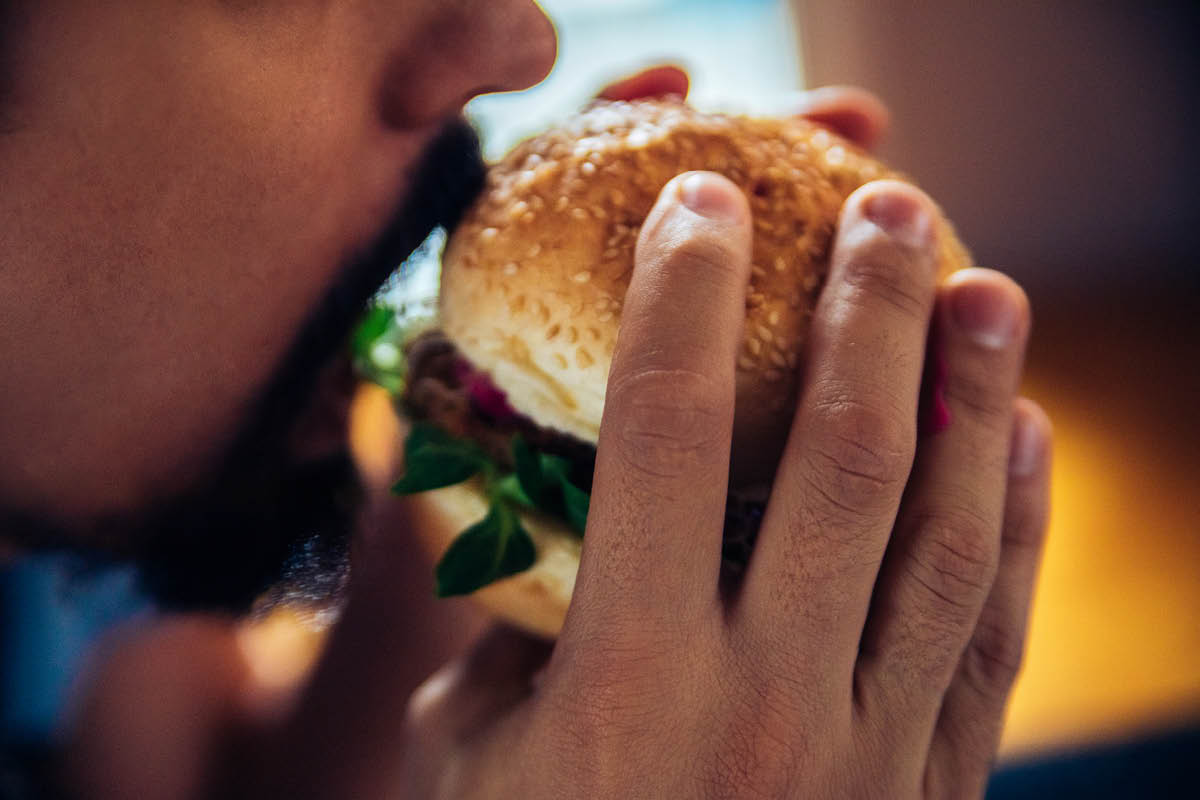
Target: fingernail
(986, 312)
(709, 197)
(1027, 443)
(901, 216)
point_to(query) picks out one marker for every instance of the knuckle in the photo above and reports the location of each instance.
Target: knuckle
(763, 750)
(668, 423)
(954, 558)
(427, 705)
(877, 271)
(993, 659)
(983, 392)
(862, 454)
(700, 253)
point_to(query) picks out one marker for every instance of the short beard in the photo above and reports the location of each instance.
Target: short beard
(266, 518)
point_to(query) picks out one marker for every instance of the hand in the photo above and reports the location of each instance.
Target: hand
(869, 652)
(872, 645)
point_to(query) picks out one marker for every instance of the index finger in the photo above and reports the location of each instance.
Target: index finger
(653, 538)
(848, 111)
(653, 82)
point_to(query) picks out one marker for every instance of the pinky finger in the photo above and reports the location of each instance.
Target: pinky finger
(968, 728)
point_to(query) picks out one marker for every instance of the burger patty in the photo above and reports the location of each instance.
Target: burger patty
(444, 388)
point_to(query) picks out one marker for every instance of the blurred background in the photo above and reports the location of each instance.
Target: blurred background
(1060, 138)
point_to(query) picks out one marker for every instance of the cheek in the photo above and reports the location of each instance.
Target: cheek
(209, 181)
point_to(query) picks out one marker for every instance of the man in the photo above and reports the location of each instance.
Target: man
(198, 198)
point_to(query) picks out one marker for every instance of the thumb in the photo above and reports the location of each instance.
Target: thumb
(470, 693)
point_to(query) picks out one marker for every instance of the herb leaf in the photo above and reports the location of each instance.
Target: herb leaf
(434, 459)
(529, 470)
(493, 548)
(575, 503)
(545, 479)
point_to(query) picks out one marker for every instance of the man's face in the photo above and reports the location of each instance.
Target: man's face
(195, 177)
(209, 192)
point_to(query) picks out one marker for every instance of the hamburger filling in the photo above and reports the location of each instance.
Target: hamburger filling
(464, 428)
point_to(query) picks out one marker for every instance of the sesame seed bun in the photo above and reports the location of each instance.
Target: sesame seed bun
(534, 278)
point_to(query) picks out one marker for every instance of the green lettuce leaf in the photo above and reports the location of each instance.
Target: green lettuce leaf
(493, 548)
(434, 459)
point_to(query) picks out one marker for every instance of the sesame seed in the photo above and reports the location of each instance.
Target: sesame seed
(527, 218)
(745, 362)
(488, 234)
(510, 268)
(583, 358)
(535, 250)
(764, 332)
(579, 213)
(617, 197)
(773, 317)
(558, 359)
(791, 359)
(605, 316)
(517, 304)
(588, 168)
(757, 271)
(518, 209)
(582, 277)
(780, 264)
(755, 299)
(572, 335)
(562, 203)
(777, 359)
(553, 331)
(610, 254)
(599, 213)
(810, 281)
(754, 346)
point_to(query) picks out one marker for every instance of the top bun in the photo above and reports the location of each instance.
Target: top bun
(534, 278)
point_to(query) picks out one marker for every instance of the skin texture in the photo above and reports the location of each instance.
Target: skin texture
(195, 173)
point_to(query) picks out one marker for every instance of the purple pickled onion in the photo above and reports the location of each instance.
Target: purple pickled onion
(483, 393)
(934, 414)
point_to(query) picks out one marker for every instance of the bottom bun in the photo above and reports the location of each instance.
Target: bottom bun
(535, 600)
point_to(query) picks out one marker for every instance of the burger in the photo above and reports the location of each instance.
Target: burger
(504, 393)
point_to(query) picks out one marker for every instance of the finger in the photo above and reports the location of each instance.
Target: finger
(653, 82)
(654, 529)
(968, 728)
(848, 111)
(466, 700)
(467, 694)
(155, 712)
(942, 559)
(851, 446)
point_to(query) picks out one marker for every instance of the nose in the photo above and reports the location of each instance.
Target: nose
(464, 50)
